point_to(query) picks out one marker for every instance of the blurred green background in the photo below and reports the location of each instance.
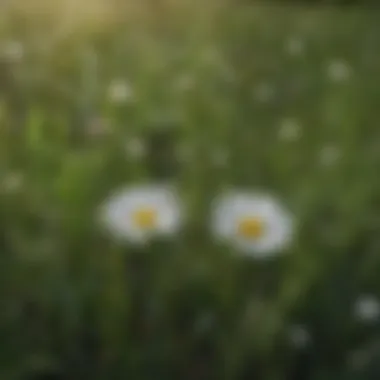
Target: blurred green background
(279, 98)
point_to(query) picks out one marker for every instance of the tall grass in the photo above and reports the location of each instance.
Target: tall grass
(272, 98)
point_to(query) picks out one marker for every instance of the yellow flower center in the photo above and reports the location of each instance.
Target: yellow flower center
(145, 218)
(251, 228)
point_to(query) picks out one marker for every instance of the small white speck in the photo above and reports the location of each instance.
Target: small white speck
(219, 157)
(299, 336)
(329, 155)
(165, 118)
(120, 91)
(98, 127)
(367, 308)
(135, 148)
(358, 359)
(339, 71)
(13, 182)
(264, 92)
(211, 56)
(13, 50)
(290, 130)
(204, 323)
(39, 251)
(184, 83)
(294, 46)
(228, 73)
(185, 152)
(253, 311)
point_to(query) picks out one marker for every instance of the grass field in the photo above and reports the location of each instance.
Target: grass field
(278, 99)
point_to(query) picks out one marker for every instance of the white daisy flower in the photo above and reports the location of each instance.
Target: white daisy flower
(339, 71)
(367, 308)
(139, 213)
(254, 223)
(290, 130)
(120, 91)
